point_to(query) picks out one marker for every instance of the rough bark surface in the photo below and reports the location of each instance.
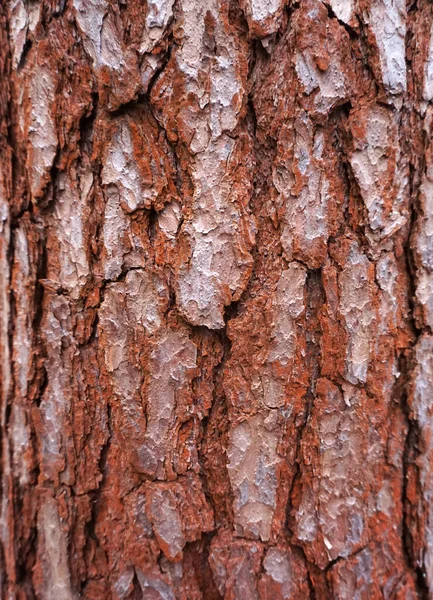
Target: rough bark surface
(216, 299)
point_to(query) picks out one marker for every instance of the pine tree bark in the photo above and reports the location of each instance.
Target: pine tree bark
(216, 299)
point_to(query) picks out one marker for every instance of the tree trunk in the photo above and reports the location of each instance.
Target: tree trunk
(216, 299)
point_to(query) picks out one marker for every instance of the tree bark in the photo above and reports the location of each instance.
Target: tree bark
(216, 299)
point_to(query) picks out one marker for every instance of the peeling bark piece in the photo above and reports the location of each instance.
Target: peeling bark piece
(130, 310)
(6, 507)
(424, 294)
(125, 240)
(252, 466)
(5, 274)
(220, 234)
(372, 573)
(387, 276)
(172, 366)
(22, 271)
(330, 520)
(23, 284)
(169, 219)
(377, 164)
(179, 513)
(284, 575)
(154, 587)
(103, 42)
(209, 95)
(308, 192)
(41, 129)
(120, 169)
(207, 104)
(137, 164)
(101, 38)
(166, 522)
(115, 230)
(422, 243)
(264, 349)
(53, 416)
(185, 579)
(53, 576)
(357, 309)
(132, 315)
(350, 316)
(288, 306)
(68, 262)
(344, 10)
(428, 70)
(391, 327)
(422, 411)
(387, 20)
(123, 587)
(264, 16)
(235, 565)
(18, 29)
(147, 298)
(321, 48)
(333, 343)
(278, 569)
(159, 12)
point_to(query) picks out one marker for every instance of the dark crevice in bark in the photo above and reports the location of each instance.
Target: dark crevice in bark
(103, 457)
(86, 125)
(252, 114)
(410, 455)
(365, 52)
(314, 303)
(340, 559)
(119, 278)
(161, 69)
(355, 214)
(315, 299)
(25, 564)
(153, 225)
(125, 109)
(311, 587)
(5, 449)
(353, 33)
(215, 426)
(46, 201)
(40, 351)
(95, 495)
(338, 116)
(199, 552)
(11, 326)
(171, 302)
(412, 449)
(25, 53)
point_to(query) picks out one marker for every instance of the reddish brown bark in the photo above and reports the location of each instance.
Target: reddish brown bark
(216, 299)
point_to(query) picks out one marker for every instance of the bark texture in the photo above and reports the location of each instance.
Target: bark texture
(216, 299)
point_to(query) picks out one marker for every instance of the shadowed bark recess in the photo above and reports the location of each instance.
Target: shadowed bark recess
(216, 299)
